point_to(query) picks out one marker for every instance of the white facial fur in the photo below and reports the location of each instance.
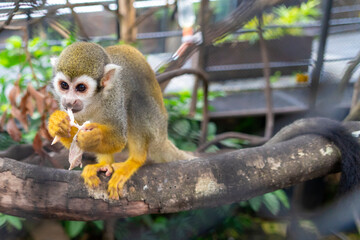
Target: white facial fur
(70, 94)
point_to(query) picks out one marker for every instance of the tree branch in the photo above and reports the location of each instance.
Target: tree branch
(30, 190)
(243, 13)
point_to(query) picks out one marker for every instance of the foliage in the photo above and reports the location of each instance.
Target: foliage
(10, 221)
(24, 67)
(184, 131)
(282, 16)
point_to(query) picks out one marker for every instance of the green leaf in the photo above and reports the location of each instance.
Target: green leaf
(74, 228)
(188, 146)
(159, 224)
(33, 42)
(211, 149)
(56, 49)
(272, 203)
(255, 203)
(99, 224)
(281, 195)
(14, 221)
(13, 42)
(182, 127)
(232, 143)
(2, 219)
(211, 129)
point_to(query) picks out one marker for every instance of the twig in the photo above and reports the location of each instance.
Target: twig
(109, 229)
(59, 28)
(354, 113)
(147, 14)
(11, 15)
(268, 92)
(115, 12)
(347, 74)
(254, 140)
(167, 76)
(27, 53)
(356, 92)
(77, 20)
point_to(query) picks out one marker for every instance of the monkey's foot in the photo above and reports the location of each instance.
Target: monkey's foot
(90, 173)
(123, 171)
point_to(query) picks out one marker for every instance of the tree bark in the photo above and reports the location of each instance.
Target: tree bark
(34, 191)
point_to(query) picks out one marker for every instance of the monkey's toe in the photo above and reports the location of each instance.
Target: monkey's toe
(90, 173)
(92, 181)
(116, 184)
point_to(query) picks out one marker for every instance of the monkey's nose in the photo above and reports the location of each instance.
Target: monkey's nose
(74, 105)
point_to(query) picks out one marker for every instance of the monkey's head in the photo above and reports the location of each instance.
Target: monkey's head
(81, 72)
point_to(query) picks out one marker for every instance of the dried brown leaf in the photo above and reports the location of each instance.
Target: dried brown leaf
(13, 130)
(15, 112)
(30, 106)
(27, 104)
(3, 120)
(13, 94)
(37, 144)
(39, 98)
(43, 129)
(51, 104)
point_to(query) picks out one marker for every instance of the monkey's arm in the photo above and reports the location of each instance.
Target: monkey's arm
(59, 125)
(103, 140)
(100, 139)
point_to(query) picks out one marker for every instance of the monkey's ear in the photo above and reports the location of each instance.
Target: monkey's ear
(110, 71)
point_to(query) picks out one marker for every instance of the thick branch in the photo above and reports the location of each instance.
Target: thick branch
(30, 190)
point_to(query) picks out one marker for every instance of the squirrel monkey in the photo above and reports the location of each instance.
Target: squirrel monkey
(116, 90)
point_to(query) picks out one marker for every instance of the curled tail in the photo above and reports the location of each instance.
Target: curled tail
(168, 152)
(348, 145)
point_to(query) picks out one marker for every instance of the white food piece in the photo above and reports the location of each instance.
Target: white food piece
(56, 139)
(75, 153)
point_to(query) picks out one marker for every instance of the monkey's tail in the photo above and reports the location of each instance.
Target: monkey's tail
(168, 152)
(348, 145)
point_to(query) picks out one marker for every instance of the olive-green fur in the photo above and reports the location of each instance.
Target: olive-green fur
(132, 105)
(83, 58)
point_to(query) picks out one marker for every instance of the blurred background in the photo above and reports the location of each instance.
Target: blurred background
(249, 68)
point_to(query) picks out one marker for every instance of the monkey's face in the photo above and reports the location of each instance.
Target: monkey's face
(76, 94)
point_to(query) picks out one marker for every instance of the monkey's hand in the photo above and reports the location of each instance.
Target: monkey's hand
(99, 139)
(59, 125)
(89, 137)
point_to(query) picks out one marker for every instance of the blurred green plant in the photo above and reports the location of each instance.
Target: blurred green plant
(11, 221)
(184, 131)
(22, 66)
(282, 15)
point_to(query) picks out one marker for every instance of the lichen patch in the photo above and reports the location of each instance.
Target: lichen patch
(258, 163)
(207, 185)
(301, 153)
(98, 193)
(326, 151)
(274, 164)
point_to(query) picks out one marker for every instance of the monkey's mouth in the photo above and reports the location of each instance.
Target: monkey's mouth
(74, 110)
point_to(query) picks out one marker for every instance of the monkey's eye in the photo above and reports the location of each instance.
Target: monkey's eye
(80, 88)
(64, 85)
